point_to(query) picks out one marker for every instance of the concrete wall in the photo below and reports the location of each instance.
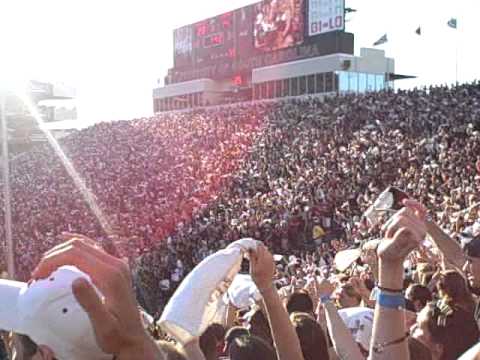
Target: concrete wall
(188, 87)
(371, 61)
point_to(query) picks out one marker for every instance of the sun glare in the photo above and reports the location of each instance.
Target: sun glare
(20, 89)
(12, 83)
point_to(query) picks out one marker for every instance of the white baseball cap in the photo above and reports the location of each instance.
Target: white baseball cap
(47, 311)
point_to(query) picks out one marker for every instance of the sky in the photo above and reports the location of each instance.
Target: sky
(113, 52)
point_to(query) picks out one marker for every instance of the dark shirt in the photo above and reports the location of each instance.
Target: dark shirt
(3, 351)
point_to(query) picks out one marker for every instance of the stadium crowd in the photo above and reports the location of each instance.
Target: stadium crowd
(298, 175)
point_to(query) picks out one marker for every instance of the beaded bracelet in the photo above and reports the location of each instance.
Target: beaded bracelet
(379, 348)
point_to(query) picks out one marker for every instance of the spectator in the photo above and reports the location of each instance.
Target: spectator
(419, 295)
(311, 336)
(297, 174)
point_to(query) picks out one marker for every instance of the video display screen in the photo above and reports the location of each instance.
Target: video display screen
(278, 24)
(262, 34)
(183, 46)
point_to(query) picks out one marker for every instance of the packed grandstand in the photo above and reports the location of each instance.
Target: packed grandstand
(296, 174)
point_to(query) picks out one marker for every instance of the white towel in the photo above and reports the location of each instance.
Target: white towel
(195, 303)
(243, 292)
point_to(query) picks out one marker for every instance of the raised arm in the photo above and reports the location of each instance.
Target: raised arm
(404, 232)
(262, 269)
(448, 246)
(193, 351)
(343, 343)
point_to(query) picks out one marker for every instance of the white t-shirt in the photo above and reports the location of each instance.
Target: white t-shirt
(360, 322)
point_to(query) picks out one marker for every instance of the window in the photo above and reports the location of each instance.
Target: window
(353, 81)
(294, 85)
(370, 82)
(285, 88)
(256, 92)
(270, 89)
(329, 85)
(303, 85)
(379, 82)
(342, 81)
(278, 88)
(263, 90)
(320, 84)
(362, 82)
(311, 84)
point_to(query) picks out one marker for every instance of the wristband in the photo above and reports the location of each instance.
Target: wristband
(389, 301)
(325, 299)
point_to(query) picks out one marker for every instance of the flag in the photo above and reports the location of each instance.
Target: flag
(452, 23)
(381, 41)
(418, 31)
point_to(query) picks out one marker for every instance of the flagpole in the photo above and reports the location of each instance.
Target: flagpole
(456, 56)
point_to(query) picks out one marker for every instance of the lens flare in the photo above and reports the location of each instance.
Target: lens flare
(67, 163)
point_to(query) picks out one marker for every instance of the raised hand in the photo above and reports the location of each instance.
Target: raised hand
(324, 287)
(359, 285)
(403, 233)
(115, 319)
(262, 267)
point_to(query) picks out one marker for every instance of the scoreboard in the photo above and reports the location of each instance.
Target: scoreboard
(213, 39)
(254, 33)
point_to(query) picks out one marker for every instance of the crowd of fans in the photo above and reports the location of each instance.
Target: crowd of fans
(296, 174)
(293, 173)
